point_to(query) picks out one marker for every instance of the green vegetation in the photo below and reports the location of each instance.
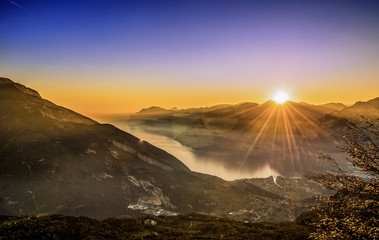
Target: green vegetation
(190, 226)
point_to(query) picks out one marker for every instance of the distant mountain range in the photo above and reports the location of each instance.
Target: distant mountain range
(54, 160)
(228, 108)
(369, 109)
(287, 137)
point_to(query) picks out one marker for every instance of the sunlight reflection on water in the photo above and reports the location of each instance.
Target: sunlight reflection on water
(207, 165)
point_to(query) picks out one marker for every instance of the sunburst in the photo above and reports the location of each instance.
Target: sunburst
(281, 97)
(287, 124)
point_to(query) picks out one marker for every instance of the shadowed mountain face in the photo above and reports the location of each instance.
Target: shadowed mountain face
(57, 160)
(286, 137)
(53, 160)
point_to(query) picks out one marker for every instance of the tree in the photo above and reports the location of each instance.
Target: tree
(353, 211)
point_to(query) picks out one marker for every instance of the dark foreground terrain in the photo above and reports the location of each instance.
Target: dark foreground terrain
(189, 226)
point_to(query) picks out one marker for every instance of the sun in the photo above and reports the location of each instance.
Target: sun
(281, 97)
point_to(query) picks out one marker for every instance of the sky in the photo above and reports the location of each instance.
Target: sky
(103, 57)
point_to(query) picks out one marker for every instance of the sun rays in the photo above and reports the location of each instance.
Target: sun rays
(285, 127)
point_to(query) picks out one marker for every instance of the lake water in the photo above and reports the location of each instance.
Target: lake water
(195, 162)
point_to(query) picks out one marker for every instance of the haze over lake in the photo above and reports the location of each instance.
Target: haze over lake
(195, 162)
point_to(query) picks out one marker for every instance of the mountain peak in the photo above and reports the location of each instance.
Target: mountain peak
(10, 86)
(268, 102)
(369, 109)
(152, 110)
(371, 102)
(374, 100)
(22, 102)
(4, 80)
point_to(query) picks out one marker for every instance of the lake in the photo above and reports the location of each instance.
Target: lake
(207, 165)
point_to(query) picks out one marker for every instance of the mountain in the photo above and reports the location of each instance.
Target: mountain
(369, 110)
(54, 160)
(250, 135)
(19, 101)
(154, 110)
(333, 106)
(286, 137)
(232, 117)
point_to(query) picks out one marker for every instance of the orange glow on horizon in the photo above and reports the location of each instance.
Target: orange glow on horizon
(93, 96)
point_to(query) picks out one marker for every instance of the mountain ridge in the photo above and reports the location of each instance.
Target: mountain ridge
(369, 110)
(284, 136)
(331, 106)
(27, 96)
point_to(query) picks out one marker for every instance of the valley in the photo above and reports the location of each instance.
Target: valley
(248, 138)
(204, 163)
(56, 161)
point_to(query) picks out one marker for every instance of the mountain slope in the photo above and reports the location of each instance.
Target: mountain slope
(369, 110)
(56, 160)
(333, 106)
(19, 102)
